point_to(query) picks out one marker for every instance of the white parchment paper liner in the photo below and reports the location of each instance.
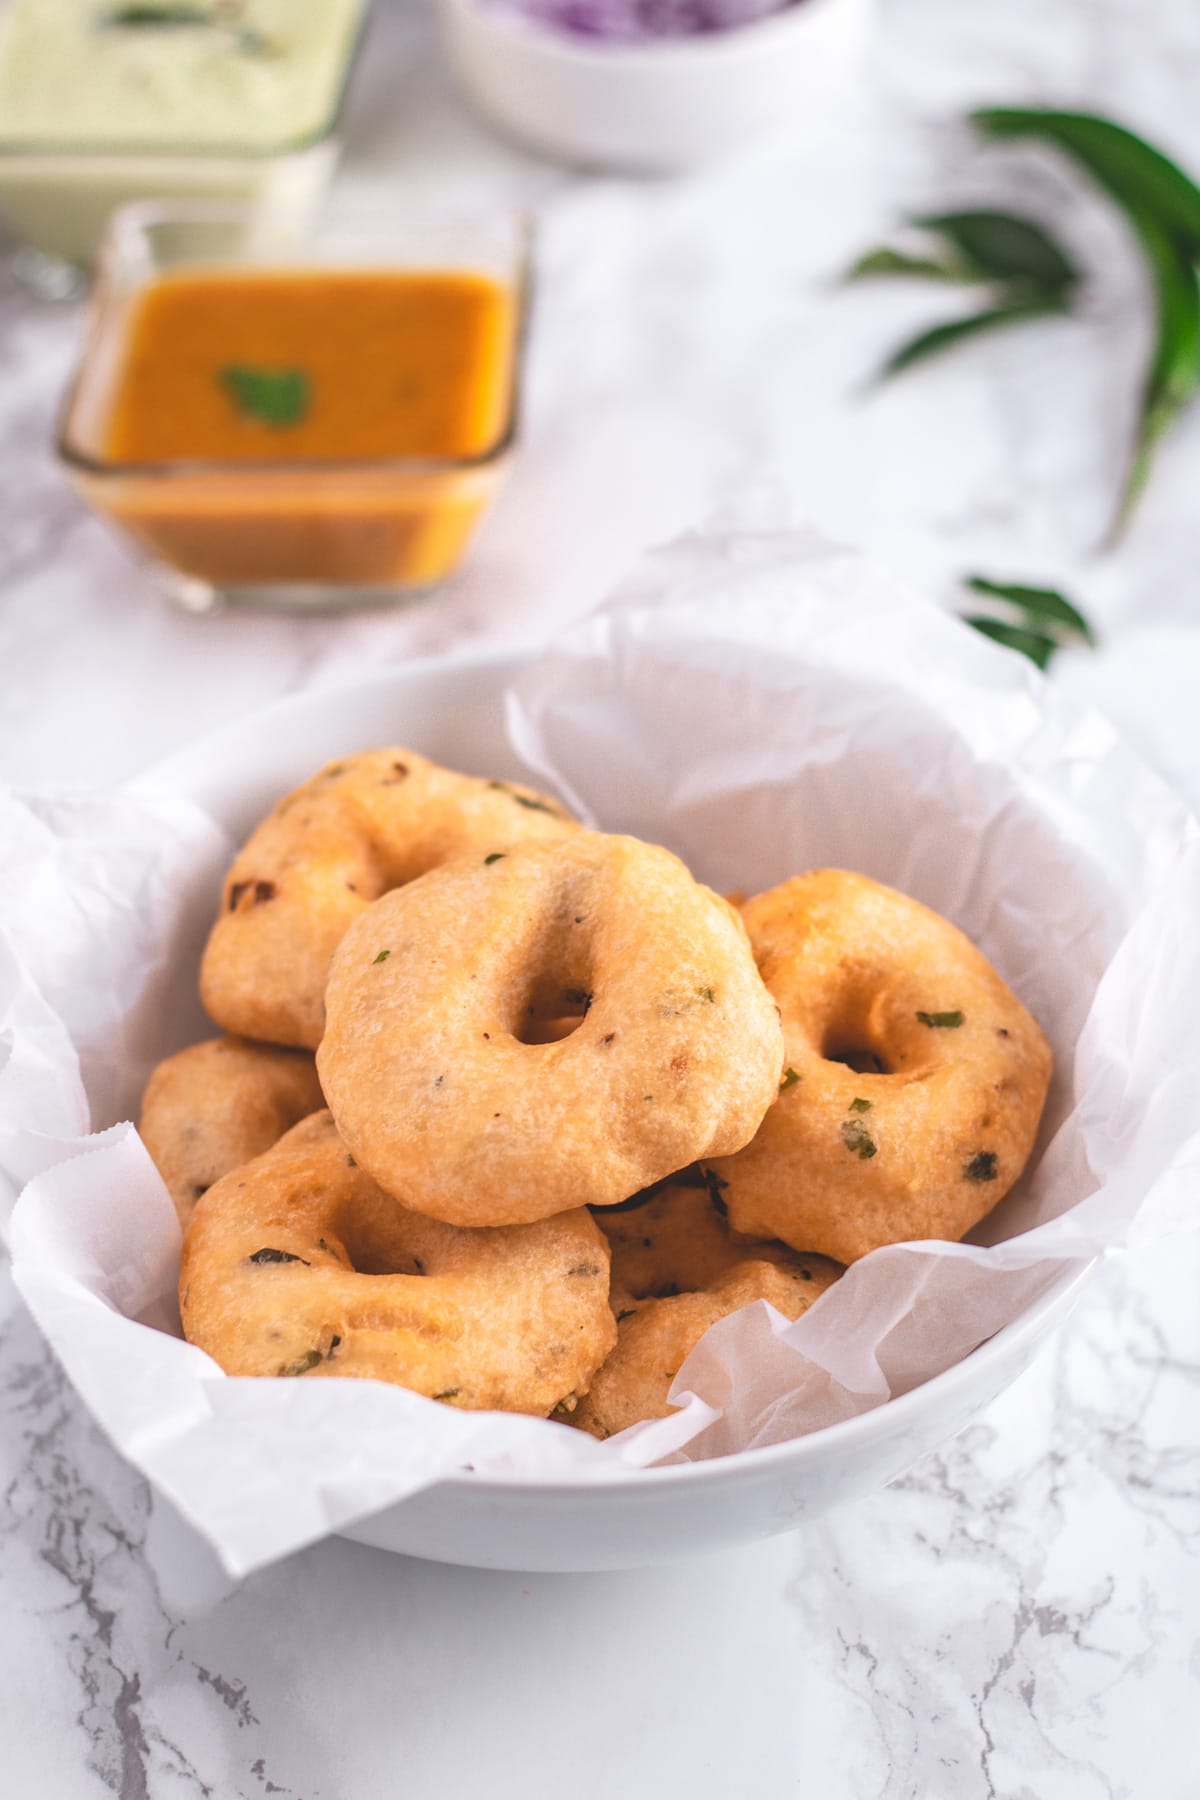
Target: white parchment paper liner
(762, 703)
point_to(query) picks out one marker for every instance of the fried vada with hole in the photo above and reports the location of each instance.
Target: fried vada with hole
(427, 1061)
(913, 1083)
(359, 828)
(676, 1269)
(678, 1241)
(217, 1104)
(299, 1265)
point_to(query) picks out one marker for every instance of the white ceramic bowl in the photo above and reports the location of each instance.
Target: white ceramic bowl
(653, 107)
(452, 710)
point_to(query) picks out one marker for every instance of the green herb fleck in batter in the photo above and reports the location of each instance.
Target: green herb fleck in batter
(858, 1139)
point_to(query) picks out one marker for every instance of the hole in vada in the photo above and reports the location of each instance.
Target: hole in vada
(860, 1058)
(548, 1031)
(375, 1245)
(554, 1006)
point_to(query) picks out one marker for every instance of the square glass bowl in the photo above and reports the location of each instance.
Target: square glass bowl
(102, 105)
(295, 531)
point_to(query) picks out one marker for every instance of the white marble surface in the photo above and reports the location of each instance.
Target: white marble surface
(1018, 1617)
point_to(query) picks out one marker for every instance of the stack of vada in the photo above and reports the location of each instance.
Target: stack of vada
(509, 1112)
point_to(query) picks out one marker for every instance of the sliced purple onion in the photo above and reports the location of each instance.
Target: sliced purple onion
(642, 21)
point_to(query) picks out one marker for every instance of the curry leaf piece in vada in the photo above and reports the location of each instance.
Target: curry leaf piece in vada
(914, 1079)
(359, 828)
(427, 1059)
(298, 1265)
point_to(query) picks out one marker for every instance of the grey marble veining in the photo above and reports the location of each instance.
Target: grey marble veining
(1018, 1617)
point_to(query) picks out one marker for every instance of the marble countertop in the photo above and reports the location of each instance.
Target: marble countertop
(1017, 1617)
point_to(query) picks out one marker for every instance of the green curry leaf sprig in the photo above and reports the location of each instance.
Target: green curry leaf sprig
(1036, 621)
(1023, 273)
(1027, 275)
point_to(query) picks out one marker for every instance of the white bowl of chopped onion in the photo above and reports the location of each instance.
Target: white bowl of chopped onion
(651, 85)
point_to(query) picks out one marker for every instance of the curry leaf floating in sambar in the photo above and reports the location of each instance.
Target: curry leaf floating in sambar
(276, 397)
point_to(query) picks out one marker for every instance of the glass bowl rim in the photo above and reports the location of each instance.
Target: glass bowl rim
(138, 213)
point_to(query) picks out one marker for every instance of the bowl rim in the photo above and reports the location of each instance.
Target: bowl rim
(497, 19)
(188, 761)
(1060, 1294)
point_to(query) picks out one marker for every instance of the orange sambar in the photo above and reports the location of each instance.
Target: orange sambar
(316, 365)
(305, 431)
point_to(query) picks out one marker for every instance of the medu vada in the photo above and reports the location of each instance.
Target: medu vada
(678, 1239)
(360, 827)
(217, 1104)
(913, 1080)
(676, 1269)
(298, 1265)
(426, 1059)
